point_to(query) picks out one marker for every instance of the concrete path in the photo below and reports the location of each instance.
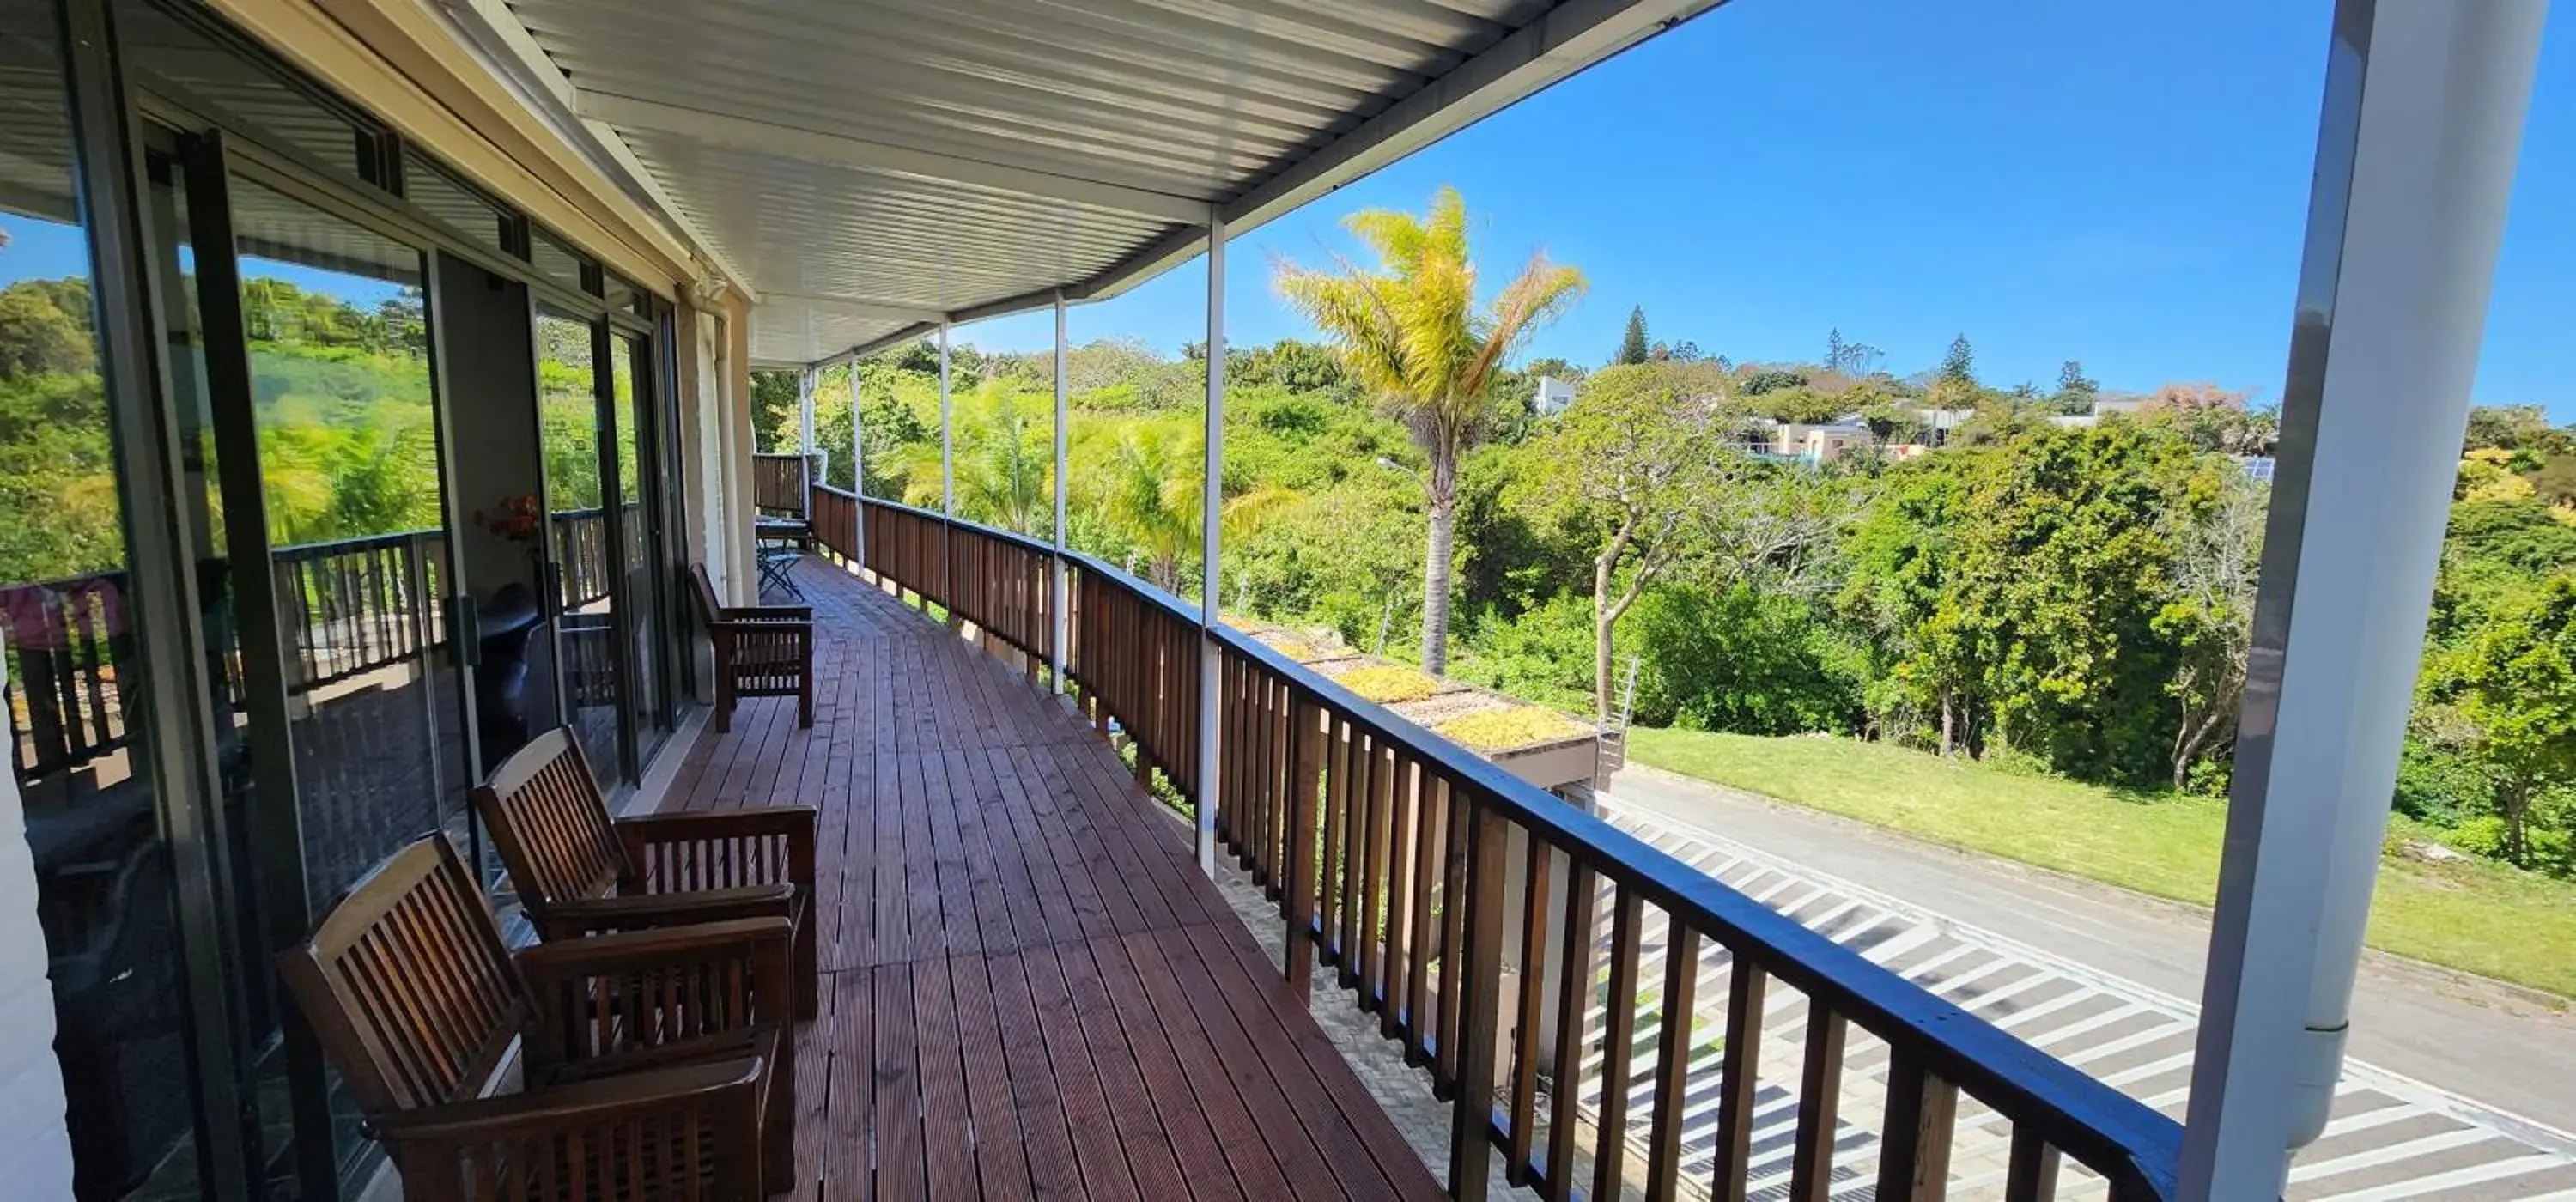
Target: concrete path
(2511, 1051)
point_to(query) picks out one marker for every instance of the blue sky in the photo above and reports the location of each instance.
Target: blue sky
(2122, 184)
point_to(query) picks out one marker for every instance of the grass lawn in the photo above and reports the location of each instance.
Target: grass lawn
(2479, 918)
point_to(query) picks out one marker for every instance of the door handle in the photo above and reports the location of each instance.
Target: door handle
(465, 631)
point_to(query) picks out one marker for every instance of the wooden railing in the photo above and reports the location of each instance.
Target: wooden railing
(778, 482)
(1402, 864)
(583, 568)
(356, 605)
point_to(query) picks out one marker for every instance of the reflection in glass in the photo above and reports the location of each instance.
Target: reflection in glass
(568, 431)
(73, 683)
(165, 47)
(348, 444)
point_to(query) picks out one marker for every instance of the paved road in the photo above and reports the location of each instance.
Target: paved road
(2424, 1036)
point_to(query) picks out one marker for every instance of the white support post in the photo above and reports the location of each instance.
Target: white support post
(1211, 504)
(1063, 624)
(2424, 107)
(805, 429)
(947, 435)
(858, 471)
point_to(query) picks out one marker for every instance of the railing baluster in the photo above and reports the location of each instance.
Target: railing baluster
(2033, 1173)
(1305, 719)
(1525, 1030)
(1573, 1000)
(1672, 1061)
(1471, 1125)
(1407, 817)
(1381, 779)
(1335, 867)
(1820, 1086)
(1745, 987)
(1618, 1044)
(1914, 1145)
(1453, 933)
(1355, 845)
(1430, 857)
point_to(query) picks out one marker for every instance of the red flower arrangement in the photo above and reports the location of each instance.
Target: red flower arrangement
(517, 518)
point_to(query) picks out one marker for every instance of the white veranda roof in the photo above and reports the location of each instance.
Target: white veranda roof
(871, 166)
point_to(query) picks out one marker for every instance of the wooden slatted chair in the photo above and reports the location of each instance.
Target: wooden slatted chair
(580, 872)
(761, 651)
(655, 1064)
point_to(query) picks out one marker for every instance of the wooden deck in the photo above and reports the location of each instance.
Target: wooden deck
(1030, 991)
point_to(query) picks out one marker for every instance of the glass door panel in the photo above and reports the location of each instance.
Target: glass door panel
(345, 737)
(639, 518)
(569, 431)
(356, 515)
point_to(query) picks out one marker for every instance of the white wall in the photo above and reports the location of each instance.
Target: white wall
(35, 1154)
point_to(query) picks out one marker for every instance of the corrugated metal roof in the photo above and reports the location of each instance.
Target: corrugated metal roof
(865, 164)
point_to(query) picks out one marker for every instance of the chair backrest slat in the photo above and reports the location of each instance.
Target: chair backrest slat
(408, 983)
(551, 824)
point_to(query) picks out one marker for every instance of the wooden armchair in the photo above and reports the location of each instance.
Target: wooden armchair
(761, 651)
(579, 872)
(656, 1064)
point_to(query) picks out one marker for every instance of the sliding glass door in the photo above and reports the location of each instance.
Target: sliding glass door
(639, 513)
(301, 364)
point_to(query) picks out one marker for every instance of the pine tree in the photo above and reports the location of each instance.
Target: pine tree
(1959, 366)
(1836, 350)
(1633, 348)
(2072, 382)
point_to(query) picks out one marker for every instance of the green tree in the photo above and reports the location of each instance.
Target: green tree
(1412, 335)
(2210, 619)
(2075, 390)
(1959, 363)
(1633, 347)
(2516, 687)
(1634, 467)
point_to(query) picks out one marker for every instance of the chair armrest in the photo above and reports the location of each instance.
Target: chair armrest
(518, 1115)
(608, 995)
(768, 613)
(718, 849)
(581, 917)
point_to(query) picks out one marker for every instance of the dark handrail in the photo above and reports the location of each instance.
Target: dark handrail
(2134, 1146)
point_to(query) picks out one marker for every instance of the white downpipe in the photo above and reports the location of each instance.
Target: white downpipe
(1055, 660)
(2424, 109)
(1211, 499)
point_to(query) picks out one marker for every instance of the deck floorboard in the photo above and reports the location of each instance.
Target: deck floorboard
(1030, 991)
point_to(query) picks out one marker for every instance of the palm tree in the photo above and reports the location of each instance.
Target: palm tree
(1005, 470)
(1141, 476)
(1412, 335)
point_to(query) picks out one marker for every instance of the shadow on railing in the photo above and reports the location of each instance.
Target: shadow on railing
(1466, 908)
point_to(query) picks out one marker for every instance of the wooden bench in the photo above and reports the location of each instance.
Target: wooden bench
(761, 651)
(580, 872)
(656, 1064)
